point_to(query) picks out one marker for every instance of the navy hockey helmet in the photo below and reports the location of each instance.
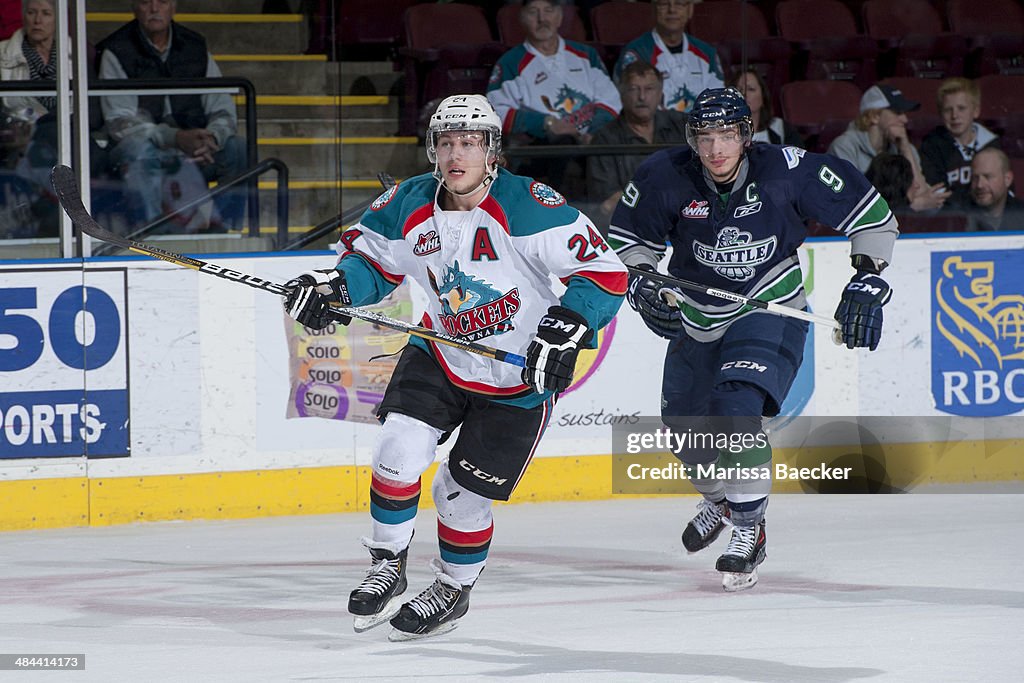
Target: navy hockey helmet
(719, 108)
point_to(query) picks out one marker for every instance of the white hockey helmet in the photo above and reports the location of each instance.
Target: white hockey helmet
(465, 113)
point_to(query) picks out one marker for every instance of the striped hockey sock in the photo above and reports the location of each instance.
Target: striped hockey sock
(393, 509)
(463, 553)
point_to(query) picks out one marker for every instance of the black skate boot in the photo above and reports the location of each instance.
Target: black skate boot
(435, 611)
(706, 526)
(739, 562)
(378, 597)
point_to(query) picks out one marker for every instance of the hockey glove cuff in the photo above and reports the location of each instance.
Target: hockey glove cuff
(311, 296)
(661, 318)
(860, 310)
(551, 356)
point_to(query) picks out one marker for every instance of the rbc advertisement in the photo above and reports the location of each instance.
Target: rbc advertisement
(63, 363)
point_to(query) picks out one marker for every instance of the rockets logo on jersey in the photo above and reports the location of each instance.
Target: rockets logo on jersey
(427, 243)
(382, 201)
(978, 332)
(696, 209)
(546, 195)
(471, 309)
(735, 256)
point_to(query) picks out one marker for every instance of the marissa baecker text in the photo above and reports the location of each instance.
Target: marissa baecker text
(597, 419)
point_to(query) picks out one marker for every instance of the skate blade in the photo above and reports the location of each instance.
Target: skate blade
(735, 581)
(397, 636)
(365, 623)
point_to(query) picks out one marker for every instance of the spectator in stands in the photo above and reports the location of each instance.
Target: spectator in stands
(549, 90)
(882, 127)
(947, 151)
(767, 128)
(892, 175)
(642, 121)
(689, 65)
(162, 141)
(993, 207)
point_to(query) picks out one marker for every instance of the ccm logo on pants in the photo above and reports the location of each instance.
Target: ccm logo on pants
(744, 365)
(480, 474)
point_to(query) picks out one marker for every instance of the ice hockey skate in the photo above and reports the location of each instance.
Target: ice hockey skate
(705, 527)
(739, 562)
(436, 610)
(378, 597)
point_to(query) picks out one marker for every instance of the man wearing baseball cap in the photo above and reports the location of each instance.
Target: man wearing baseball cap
(882, 127)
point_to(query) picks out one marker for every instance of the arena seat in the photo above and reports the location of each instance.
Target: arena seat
(914, 38)
(1002, 107)
(434, 66)
(616, 23)
(996, 32)
(369, 29)
(820, 110)
(911, 222)
(824, 35)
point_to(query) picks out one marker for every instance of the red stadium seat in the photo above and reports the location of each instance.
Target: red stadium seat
(616, 23)
(510, 30)
(439, 62)
(996, 31)
(825, 34)
(1002, 108)
(820, 110)
(367, 29)
(911, 222)
(740, 33)
(921, 90)
(912, 32)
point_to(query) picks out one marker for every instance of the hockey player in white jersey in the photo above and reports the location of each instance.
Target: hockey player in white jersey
(485, 244)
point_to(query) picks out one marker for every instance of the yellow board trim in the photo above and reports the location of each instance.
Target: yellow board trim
(44, 503)
(204, 18)
(48, 503)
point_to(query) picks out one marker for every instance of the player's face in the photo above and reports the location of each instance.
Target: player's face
(541, 21)
(671, 16)
(958, 112)
(989, 182)
(720, 151)
(751, 89)
(641, 97)
(462, 159)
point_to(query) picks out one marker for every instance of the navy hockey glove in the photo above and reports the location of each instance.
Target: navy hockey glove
(860, 310)
(311, 295)
(551, 356)
(661, 318)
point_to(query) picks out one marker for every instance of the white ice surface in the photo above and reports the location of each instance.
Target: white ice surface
(873, 588)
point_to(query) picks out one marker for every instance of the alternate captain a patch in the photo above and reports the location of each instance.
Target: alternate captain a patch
(546, 195)
(382, 201)
(471, 309)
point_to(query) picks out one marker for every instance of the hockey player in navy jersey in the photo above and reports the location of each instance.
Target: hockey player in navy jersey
(483, 244)
(734, 214)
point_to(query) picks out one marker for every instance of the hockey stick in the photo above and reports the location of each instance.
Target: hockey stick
(65, 184)
(777, 309)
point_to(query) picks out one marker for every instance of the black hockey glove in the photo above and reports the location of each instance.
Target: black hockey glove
(661, 318)
(311, 295)
(860, 310)
(551, 356)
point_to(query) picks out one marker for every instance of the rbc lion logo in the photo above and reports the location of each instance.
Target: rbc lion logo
(382, 201)
(546, 195)
(978, 332)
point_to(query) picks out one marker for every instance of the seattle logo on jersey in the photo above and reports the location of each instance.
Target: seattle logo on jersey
(545, 194)
(978, 332)
(735, 256)
(470, 308)
(382, 201)
(696, 209)
(427, 243)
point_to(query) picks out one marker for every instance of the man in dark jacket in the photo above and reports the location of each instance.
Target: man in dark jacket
(193, 137)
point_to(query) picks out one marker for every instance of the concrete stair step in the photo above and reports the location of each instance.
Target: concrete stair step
(326, 107)
(382, 76)
(320, 127)
(286, 78)
(329, 157)
(225, 33)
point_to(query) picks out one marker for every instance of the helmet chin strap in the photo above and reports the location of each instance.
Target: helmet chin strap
(488, 179)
